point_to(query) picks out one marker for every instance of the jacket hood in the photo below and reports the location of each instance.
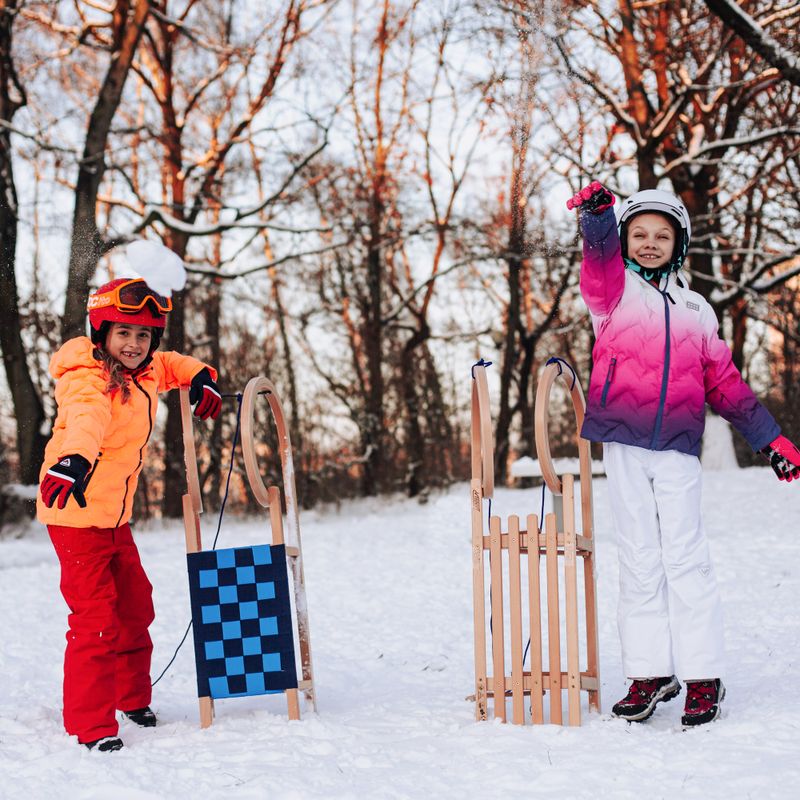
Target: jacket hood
(73, 354)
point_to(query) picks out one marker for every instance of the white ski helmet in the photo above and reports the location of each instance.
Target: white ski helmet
(659, 202)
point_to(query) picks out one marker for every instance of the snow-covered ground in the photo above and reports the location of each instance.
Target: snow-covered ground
(390, 602)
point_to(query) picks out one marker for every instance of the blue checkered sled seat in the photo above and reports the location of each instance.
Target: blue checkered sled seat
(242, 621)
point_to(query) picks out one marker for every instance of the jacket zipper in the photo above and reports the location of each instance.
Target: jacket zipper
(665, 376)
(609, 378)
(141, 449)
(92, 471)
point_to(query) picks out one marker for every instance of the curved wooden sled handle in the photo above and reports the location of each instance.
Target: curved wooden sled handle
(541, 418)
(482, 439)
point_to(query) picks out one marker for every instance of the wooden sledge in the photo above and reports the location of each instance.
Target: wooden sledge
(270, 498)
(529, 545)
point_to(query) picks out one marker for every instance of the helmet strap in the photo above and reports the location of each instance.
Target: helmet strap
(647, 274)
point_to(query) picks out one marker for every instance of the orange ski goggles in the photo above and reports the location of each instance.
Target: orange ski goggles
(129, 297)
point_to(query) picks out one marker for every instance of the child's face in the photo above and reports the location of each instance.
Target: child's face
(651, 239)
(129, 344)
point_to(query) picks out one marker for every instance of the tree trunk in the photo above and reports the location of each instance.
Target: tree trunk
(409, 377)
(373, 338)
(28, 409)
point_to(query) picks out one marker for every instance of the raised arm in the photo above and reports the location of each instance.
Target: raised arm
(602, 270)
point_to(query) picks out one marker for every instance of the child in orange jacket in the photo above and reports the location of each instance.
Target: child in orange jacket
(107, 395)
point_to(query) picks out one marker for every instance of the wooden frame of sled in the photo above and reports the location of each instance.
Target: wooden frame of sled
(269, 498)
(532, 544)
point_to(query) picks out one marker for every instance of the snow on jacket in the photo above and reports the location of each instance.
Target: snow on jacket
(109, 434)
(657, 357)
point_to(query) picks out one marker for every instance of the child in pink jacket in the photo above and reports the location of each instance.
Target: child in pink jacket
(658, 360)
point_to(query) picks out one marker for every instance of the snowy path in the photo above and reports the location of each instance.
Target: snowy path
(389, 592)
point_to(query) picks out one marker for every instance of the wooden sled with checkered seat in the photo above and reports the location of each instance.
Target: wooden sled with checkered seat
(249, 612)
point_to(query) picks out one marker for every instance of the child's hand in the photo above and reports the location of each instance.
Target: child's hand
(784, 458)
(594, 197)
(64, 479)
(205, 393)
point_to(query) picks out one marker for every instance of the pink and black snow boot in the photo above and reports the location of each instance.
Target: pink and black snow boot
(703, 701)
(643, 696)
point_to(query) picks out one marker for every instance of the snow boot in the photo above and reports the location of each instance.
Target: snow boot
(703, 701)
(643, 696)
(145, 717)
(108, 744)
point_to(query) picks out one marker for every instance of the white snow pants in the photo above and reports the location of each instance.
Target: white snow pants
(670, 615)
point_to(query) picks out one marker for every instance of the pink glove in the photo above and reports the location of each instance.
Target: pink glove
(594, 197)
(784, 458)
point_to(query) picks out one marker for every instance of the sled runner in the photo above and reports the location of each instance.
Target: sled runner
(528, 546)
(242, 617)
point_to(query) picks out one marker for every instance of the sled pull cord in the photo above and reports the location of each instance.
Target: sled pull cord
(238, 396)
(558, 362)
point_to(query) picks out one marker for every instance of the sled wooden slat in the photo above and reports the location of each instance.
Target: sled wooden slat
(498, 639)
(583, 545)
(515, 608)
(479, 611)
(571, 603)
(553, 618)
(587, 682)
(276, 523)
(535, 616)
(191, 525)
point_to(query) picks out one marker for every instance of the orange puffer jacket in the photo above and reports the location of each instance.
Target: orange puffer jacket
(109, 434)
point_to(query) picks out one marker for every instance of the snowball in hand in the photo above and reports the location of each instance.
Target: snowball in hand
(160, 268)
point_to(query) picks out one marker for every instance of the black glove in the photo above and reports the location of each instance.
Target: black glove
(594, 197)
(205, 393)
(64, 479)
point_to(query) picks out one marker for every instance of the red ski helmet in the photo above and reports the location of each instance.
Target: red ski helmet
(128, 300)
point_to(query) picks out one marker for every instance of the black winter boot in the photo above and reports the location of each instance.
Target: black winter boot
(145, 717)
(643, 696)
(108, 744)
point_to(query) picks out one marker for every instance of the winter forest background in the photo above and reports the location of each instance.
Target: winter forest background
(369, 196)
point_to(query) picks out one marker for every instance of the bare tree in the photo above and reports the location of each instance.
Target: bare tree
(28, 407)
(770, 49)
(127, 22)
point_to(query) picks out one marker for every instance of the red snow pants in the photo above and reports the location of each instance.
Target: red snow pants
(107, 660)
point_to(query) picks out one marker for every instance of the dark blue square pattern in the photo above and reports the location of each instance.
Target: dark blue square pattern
(242, 621)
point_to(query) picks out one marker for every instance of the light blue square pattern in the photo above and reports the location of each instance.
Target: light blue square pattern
(255, 683)
(218, 687)
(232, 630)
(248, 610)
(272, 662)
(268, 626)
(214, 650)
(261, 554)
(265, 591)
(228, 594)
(225, 558)
(251, 646)
(208, 578)
(210, 614)
(234, 666)
(245, 575)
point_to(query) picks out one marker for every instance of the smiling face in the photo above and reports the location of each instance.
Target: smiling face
(129, 344)
(651, 240)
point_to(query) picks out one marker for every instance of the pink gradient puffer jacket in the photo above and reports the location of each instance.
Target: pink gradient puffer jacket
(658, 358)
